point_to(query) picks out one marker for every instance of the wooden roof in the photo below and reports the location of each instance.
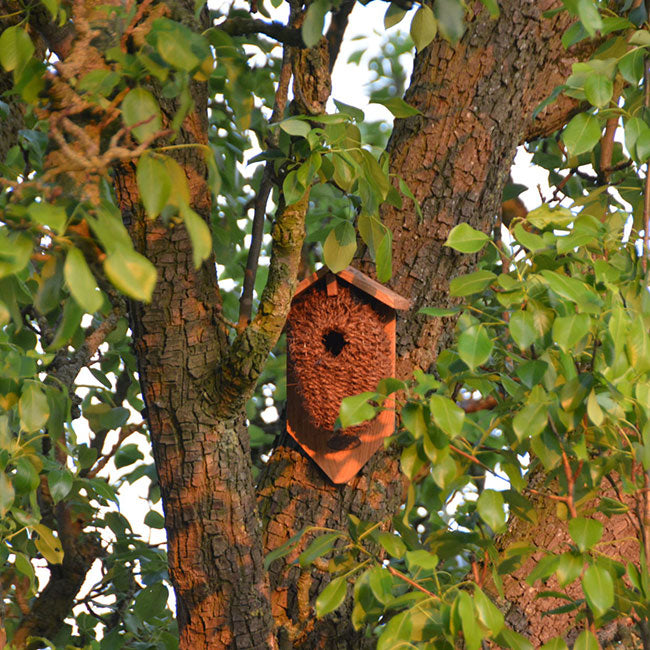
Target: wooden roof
(363, 282)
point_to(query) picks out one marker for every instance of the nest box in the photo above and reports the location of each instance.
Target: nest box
(340, 342)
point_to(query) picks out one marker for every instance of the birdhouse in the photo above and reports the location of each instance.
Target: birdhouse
(340, 342)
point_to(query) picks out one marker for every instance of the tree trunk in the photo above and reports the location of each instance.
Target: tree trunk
(476, 101)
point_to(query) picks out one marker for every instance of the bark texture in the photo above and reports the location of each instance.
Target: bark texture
(476, 102)
(524, 611)
(203, 460)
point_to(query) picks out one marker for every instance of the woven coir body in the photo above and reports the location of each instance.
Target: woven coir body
(337, 346)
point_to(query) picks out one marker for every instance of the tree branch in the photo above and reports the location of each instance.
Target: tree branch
(261, 200)
(249, 351)
(243, 26)
(337, 29)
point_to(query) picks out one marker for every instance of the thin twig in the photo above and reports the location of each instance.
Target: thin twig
(242, 26)
(125, 432)
(407, 580)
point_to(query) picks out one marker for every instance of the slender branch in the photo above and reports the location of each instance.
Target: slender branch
(607, 141)
(474, 405)
(261, 200)
(408, 581)
(337, 29)
(125, 432)
(243, 26)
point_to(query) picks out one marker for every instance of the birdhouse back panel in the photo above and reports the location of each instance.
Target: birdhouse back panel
(340, 342)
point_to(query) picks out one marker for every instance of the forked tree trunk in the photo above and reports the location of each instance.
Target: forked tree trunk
(476, 102)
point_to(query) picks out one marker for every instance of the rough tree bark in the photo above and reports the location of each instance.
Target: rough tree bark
(476, 102)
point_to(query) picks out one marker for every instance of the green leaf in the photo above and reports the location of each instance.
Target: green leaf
(556, 643)
(466, 239)
(421, 560)
(586, 641)
(631, 66)
(48, 545)
(355, 113)
(413, 419)
(33, 407)
(475, 282)
(444, 471)
(438, 311)
(397, 106)
(16, 48)
(127, 455)
(643, 146)
(424, 27)
(7, 494)
(471, 631)
(26, 477)
(339, 247)
(585, 532)
(513, 640)
(60, 483)
(451, 19)
(581, 134)
(312, 27)
(568, 287)
(447, 415)
(637, 345)
(569, 330)
(475, 346)
(356, 409)
(531, 241)
(140, 107)
(393, 15)
(15, 251)
(598, 90)
(199, 232)
(154, 184)
(569, 568)
(46, 214)
(177, 44)
(331, 597)
(522, 329)
(154, 519)
(392, 544)
(488, 613)
(598, 587)
(294, 126)
(589, 16)
(292, 189)
(545, 216)
(319, 546)
(151, 601)
(381, 584)
(492, 6)
(81, 281)
(530, 421)
(384, 257)
(131, 273)
(491, 509)
(397, 633)
(284, 549)
(634, 127)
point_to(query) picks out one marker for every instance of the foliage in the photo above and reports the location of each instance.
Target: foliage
(555, 329)
(555, 340)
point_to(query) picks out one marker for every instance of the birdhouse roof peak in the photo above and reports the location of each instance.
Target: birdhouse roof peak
(361, 281)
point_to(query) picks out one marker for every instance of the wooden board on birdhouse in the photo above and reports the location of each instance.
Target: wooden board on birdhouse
(340, 342)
